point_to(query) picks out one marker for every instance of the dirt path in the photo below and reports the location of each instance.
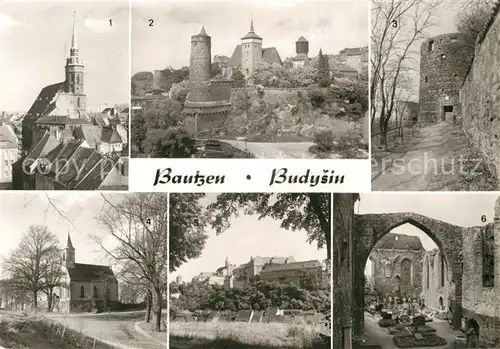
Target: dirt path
(111, 329)
(416, 169)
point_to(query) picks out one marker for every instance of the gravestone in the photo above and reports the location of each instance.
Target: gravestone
(419, 321)
(244, 316)
(257, 316)
(386, 316)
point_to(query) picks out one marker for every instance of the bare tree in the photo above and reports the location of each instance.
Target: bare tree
(138, 222)
(34, 266)
(397, 26)
(472, 17)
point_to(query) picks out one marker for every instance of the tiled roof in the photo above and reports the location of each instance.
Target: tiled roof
(46, 144)
(45, 102)
(110, 135)
(89, 272)
(61, 120)
(90, 133)
(291, 266)
(95, 177)
(302, 39)
(73, 169)
(400, 242)
(8, 138)
(354, 51)
(270, 55)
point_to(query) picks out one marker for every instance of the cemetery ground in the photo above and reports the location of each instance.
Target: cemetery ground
(234, 335)
(431, 161)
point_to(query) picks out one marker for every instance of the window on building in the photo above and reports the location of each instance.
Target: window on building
(82, 292)
(425, 79)
(442, 271)
(427, 274)
(95, 292)
(431, 45)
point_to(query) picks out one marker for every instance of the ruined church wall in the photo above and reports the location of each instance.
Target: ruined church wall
(480, 95)
(342, 265)
(435, 288)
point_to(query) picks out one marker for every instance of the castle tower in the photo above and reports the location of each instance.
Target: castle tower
(74, 83)
(200, 67)
(69, 254)
(444, 63)
(251, 51)
(302, 46)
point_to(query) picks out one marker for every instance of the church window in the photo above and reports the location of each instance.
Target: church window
(95, 292)
(82, 292)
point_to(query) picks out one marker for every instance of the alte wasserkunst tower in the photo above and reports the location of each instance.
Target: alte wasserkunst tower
(59, 107)
(208, 102)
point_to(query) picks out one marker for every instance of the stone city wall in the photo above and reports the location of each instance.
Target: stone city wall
(480, 95)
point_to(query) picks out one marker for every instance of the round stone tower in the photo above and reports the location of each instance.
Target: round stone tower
(302, 46)
(444, 62)
(200, 67)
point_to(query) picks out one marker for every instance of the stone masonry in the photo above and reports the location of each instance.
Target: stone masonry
(444, 61)
(469, 259)
(397, 265)
(480, 94)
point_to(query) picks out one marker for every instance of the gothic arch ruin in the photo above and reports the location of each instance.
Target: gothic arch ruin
(370, 228)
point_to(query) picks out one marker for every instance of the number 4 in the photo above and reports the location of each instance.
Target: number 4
(148, 221)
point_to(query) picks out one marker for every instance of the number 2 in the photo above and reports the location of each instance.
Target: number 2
(151, 22)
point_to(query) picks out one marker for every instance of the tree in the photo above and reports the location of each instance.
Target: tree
(188, 221)
(179, 92)
(138, 223)
(34, 266)
(162, 114)
(397, 25)
(238, 78)
(173, 142)
(297, 211)
(471, 19)
(323, 70)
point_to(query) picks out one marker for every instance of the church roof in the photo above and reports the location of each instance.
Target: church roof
(89, 272)
(270, 55)
(251, 34)
(69, 244)
(42, 148)
(46, 100)
(400, 242)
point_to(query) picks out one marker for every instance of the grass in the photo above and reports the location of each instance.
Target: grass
(235, 335)
(31, 332)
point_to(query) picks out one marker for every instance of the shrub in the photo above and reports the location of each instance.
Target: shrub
(428, 340)
(387, 323)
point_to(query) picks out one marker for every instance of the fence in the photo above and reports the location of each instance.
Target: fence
(394, 134)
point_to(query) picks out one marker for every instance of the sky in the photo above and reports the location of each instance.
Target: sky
(76, 216)
(35, 39)
(248, 236)
(331, 26)
(459, 209)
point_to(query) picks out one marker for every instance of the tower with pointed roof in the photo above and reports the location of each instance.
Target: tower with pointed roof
(251, 51)
(200, 67)
(74, 82)
(69, 254)
(302, 50)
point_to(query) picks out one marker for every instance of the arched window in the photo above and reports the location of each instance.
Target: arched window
(95, 292)
(442, 271)
(431, 45)
(82, 292)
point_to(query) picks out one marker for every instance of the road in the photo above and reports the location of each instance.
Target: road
(419, 166)
(378, 335)
(271, 150)
(112, 328)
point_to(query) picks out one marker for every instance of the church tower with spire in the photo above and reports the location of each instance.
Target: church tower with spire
(74, 83)
(251, 51)
(69, 254)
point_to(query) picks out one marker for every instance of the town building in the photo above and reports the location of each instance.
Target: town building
(63, 148)
(356, 58)
(302, 51)
(249, 55)
(9, 153)
(85, 286)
